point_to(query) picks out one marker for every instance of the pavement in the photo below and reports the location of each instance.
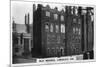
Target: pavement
(29, 59)
(23, 60)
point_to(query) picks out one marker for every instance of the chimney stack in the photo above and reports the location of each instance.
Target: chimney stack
(25, 19)
(28, 25)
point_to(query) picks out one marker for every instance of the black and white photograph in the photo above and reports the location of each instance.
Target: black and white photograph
(43, 32)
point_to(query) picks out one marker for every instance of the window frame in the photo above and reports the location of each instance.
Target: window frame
(51, 27)
(55, 16)
(47, 13)
(62, 18)
(47, 23)
(57, 28)
(62, 28)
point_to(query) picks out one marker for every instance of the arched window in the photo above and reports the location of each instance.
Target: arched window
(47, 27)
(62, 51)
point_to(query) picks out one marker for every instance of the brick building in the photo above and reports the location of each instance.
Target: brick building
(79, 30)
(48, 31)
(62, 33)
(73, 31)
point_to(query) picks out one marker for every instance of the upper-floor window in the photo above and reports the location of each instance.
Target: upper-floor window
(62, 18)
(84, 12)
(48, 13)
(76, 30)
(55, 16)
(79, 21)
(51, 27)
(74, 20)
(92, 18)
(79, 31)
(76, 11)
(47, 27)
(62, 28)
(57, 28)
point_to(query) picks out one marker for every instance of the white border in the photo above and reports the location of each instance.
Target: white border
(78, 61)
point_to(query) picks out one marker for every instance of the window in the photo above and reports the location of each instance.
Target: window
(47, 27)
(48, 51)
(74, 20)
(84, 12)
(48, 13)
(79, 31)
(55, 16)
(76, 11)
(79, 21)
(92, 18)
(62, 51)
(62, 18)
(62, 28)
(71, 10)
(51, 27)
(57, 28)
(74, 30)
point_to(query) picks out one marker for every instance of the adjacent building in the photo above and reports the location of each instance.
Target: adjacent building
(22, 38)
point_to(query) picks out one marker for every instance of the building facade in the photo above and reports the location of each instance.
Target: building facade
(73, 31)
(50, 25)
(62, 33)
(22, 38)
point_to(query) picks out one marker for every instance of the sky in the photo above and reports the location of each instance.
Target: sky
(20, 8)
